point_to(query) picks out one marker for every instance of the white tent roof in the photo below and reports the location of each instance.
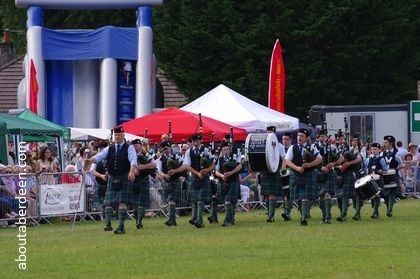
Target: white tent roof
(226, 105)
(90, 133)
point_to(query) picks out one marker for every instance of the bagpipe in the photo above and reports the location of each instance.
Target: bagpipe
(143, 159)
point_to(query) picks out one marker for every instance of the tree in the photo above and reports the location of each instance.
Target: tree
(335, 52)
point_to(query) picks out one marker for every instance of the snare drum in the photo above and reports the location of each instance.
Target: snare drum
(389, 179)
(262, 151)
(366, 187)
(285, 179)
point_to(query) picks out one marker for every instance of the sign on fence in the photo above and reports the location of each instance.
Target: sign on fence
(61, 199)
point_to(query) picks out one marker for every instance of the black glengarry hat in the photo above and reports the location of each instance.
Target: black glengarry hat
(304, 131)
(119, 129)
(196, 137)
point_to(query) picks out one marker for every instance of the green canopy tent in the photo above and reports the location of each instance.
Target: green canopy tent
(10, 125)
(27, 114)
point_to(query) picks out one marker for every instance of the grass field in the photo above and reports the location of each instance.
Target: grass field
(384, 248)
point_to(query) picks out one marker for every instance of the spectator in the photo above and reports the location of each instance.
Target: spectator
(8, 202)
(45, 167)
(412, 148)
(401, 150)
(70, 176)
(407, 174)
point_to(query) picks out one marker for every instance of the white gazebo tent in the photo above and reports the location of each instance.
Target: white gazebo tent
(89, 134)
(226, 105)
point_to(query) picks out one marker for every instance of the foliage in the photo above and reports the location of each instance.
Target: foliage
(335, 52)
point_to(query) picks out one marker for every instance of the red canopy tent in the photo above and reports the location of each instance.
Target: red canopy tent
(183, 124)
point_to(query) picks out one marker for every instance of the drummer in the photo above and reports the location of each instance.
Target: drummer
(303, 174)
(287, 202)
(227, 169)
(326, 176)
(394, 162)
(350, 168)
(271, 182)
(375, 164)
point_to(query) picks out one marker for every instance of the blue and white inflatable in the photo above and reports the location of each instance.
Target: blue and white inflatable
(89, 78)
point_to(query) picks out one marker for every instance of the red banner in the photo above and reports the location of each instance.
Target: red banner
(33, 89)
(277, 79)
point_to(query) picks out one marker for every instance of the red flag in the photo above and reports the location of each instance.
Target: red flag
(277, 79)
(33, 89)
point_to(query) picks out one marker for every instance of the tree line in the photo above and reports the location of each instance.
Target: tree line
(335, 52)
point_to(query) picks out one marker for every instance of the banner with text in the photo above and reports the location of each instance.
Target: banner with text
(64, 198)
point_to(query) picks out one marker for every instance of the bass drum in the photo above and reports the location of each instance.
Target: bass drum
(262, 152)
(366, 187)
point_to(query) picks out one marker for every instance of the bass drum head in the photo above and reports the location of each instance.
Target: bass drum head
(362, 181)
(262, 152)
(272, 154)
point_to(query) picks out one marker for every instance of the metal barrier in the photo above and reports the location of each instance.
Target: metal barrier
(77, 195)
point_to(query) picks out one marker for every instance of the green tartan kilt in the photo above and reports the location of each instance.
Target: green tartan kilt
(386, 192)
(307, 191)
(232, 191)
(203, 194)
(176, 188)
(271, 184)
(143, 188)
(118, 197)
(329, 185)
(347, 190)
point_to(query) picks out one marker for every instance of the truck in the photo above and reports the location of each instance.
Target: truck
(370, 122)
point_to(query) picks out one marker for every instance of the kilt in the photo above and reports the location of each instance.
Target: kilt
(118, 197)
(176, 188)
(347, 190)
(98, 199)
(143, 187)
(203, 194)
(308, 191)
(271, 184)
(232, 191)
(329, 185)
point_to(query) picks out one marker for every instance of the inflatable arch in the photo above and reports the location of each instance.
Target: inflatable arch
(89, 78)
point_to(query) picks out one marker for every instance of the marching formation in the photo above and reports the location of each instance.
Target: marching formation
(298, 172)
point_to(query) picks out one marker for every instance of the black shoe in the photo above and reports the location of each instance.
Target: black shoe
(286, 217)
(389, 214)
(303, 222)
(356, 217)
(199, 225)
(119, 231)
(374, 216)
(341, 219)
(270, 220)
(108, 229)
(211, 220)
(170, 223)
(226, 224)
(139, 226)
(192, 222)
(327, 221)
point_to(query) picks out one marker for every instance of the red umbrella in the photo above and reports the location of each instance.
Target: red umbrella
(183, 125)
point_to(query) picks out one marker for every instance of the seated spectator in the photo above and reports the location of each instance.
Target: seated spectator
(8, 188)
(70, 177)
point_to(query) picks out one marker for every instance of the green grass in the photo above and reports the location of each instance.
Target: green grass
(384, 248)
